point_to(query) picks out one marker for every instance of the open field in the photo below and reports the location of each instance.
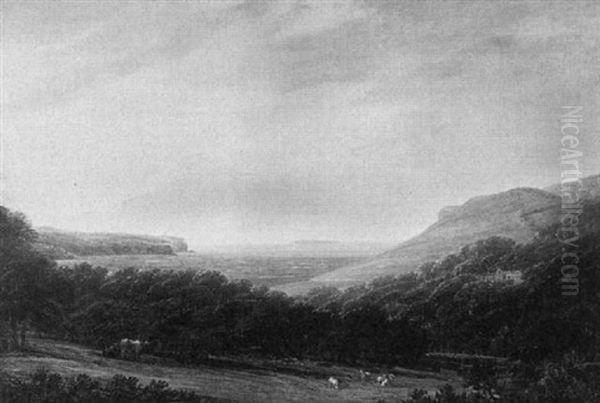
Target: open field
(240, 380)
(261, 270)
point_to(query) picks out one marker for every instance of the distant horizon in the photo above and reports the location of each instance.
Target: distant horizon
(289, 243)
(391, 242)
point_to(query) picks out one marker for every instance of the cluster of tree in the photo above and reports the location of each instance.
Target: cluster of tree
(467, 303)
(25, 294)
(187, 315)
(49, 387)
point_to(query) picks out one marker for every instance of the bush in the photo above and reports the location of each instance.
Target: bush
(48, 387)
(567, 381)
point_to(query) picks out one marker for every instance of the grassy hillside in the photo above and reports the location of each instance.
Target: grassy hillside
(519, 214)
(242, 380)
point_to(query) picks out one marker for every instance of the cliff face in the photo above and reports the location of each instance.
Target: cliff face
(176, 243)
(59, 244)
(517, 214)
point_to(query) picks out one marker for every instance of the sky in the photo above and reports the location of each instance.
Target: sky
(271, 121)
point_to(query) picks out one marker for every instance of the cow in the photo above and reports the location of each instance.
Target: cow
(131, 348)
(385, 379)
(364, 375)
(471, 391)
(334, 382)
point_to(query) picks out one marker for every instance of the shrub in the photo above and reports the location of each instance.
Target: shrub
(48, 387)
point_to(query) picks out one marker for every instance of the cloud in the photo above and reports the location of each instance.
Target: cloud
(336, 116)
(90, 48)
(316, 18)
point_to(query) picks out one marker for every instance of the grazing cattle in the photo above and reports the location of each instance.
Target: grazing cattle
(334, 382)
(385, 379)
(131, 349)
(364, 375)
(473, 392)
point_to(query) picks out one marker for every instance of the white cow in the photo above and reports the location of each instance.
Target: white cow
(334, 382)
(385, 379)
(132, 348)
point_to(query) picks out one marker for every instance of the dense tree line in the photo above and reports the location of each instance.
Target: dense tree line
(188, 315)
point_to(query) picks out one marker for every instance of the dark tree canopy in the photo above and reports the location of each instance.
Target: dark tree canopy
(25, 295)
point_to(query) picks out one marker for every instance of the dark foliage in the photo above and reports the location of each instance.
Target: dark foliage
(187, 315)
(25, 293)
(50, 387)
(563, 381)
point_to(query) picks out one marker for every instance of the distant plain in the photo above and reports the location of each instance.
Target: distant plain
(266, 270)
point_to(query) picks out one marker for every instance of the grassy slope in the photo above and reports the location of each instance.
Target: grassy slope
(263, 383)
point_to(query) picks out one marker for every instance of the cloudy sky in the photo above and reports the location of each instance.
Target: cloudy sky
(260, 121)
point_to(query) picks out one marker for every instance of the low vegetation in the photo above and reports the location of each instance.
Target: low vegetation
(47, 387)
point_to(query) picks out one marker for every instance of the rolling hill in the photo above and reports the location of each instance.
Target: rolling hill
(518, 214)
